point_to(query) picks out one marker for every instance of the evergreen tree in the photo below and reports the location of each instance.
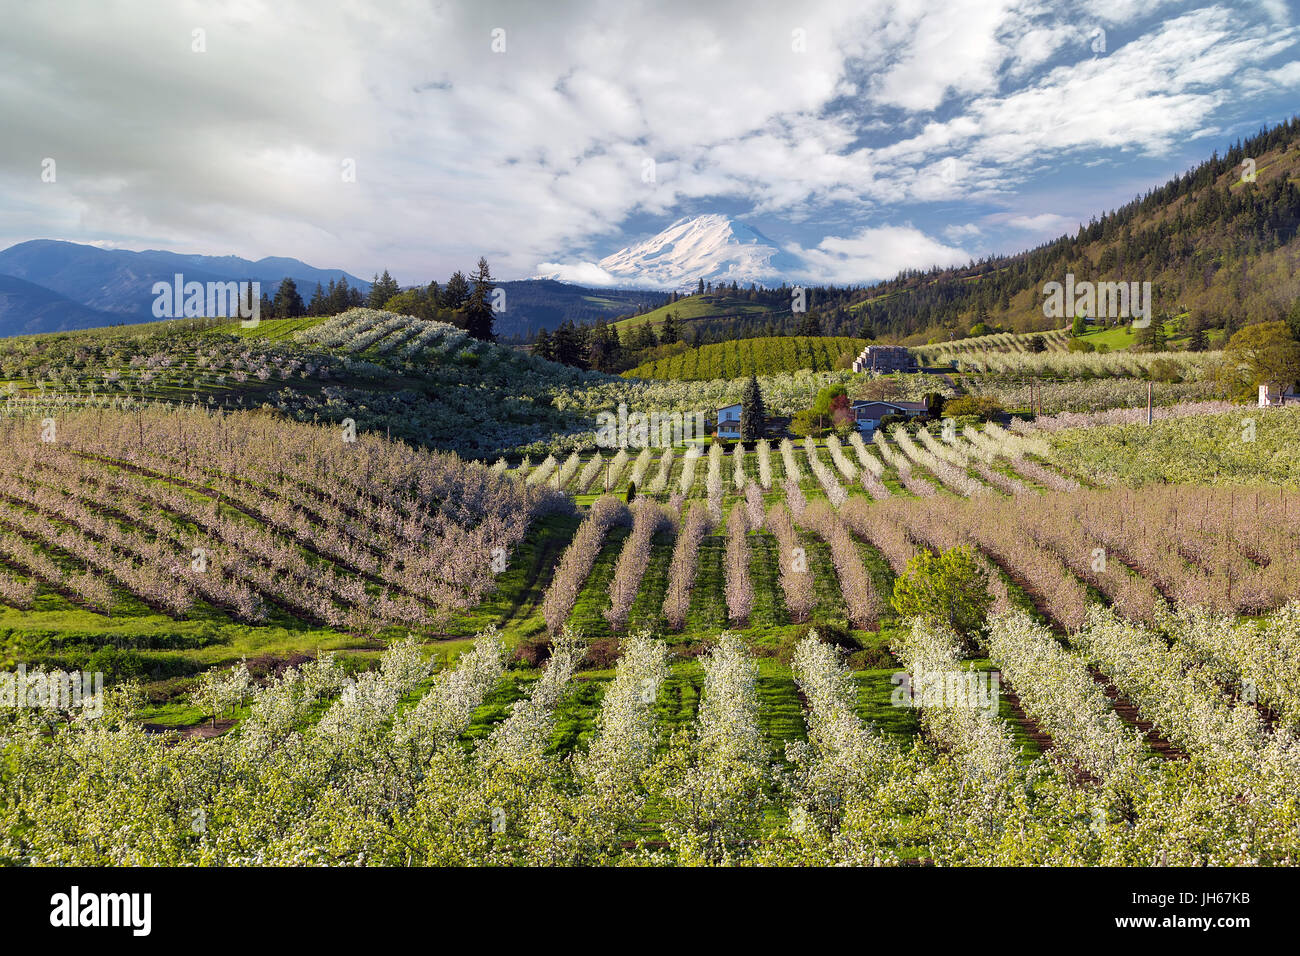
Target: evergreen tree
(542, 346)
(605, 349)
(643, 337)
(668, 332)
(570, 345)
(318, 301)
(381, 290)
(456, 292)
(1293, 321)
(288, 303)
(753, 416)
(479, 313)
(1038, 344)
(810, 325)
(341, 296)
(1151, 339)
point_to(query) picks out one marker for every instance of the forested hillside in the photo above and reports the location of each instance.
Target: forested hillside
(1213, 245)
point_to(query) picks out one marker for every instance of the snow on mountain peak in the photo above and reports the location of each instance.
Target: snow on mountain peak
(711, 247)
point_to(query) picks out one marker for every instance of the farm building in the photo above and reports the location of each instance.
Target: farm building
(884, 358)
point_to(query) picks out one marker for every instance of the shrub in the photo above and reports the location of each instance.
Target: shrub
(602, 654)
(532, 652)
(1164, 370)
(983, 406)
(875, 658)
(831, 633)
(951, 588)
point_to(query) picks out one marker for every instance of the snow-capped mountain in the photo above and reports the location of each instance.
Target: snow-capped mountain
(711, 247)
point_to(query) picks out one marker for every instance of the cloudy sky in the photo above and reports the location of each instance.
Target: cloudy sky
(864, 136)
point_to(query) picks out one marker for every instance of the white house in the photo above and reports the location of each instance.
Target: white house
(1272, 396)
(729, 421)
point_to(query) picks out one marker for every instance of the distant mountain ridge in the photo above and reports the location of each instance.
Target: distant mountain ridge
(534, 304)
(119, 282)
(49, 285)
(27, 308)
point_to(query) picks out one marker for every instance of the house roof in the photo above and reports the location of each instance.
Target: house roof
(901, 406)
(725, 408)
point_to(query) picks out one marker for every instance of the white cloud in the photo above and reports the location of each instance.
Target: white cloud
(579, 273)
(876, 253)
(1146, 96)
(539, 153)
(1123, 11)
(949, 47)
(956, 233)
(1046, 223)
(1284, 77)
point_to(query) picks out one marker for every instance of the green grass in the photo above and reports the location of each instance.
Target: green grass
(1123, 337)
(275, 330)
(707, 306)
(515, 605)
(587, 617)
(648, 608)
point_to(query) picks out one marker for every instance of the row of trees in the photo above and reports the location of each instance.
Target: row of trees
(603, 348)
(464, 301)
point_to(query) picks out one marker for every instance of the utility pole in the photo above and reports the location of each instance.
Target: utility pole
(1150, 390)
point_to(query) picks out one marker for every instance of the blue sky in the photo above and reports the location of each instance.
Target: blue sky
(864, 136)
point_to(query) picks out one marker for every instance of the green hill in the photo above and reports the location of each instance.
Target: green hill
(710, 305)
(761, 356)
(1215, 248)
(425, 382)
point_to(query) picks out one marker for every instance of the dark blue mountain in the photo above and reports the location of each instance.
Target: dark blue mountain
(113, 286)
(26, 308)
(120, 282)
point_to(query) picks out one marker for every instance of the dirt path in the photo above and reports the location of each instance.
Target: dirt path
(1129, 713)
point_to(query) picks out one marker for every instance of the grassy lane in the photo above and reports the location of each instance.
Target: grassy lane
(648, 608)
(515, 605)
(708, 608)
(587, 617)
